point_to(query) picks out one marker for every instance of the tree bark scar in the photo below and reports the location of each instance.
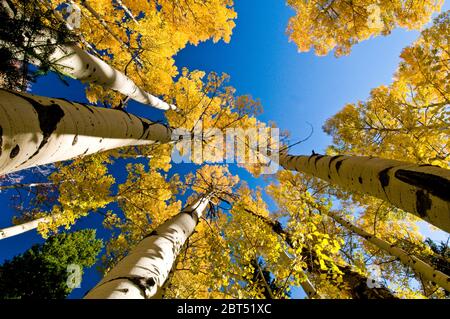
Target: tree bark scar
(433, 184)
(423, 203)
(145, 127)
(143, 284)
(317, 157)
(48, 116)
(338, 165)
(384, 178)
(75, 140)
(14, 152)
(332, 159)
(1, 140)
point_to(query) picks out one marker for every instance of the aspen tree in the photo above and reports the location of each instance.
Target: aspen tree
(356, 282)
(407, 120)
(37, 130)
(71, 60)
(142, 273)
(422, 190)
(325, 25)
(22, 228)
(428, 272)
(294, 195)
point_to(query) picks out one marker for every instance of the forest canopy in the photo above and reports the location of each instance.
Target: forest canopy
(200, 194)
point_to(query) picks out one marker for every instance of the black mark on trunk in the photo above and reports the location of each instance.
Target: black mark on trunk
(338, 165)
(48, 116)
(332, 160)
(145, 127)
(423, 203)
(75, 140)
(14, 151)
(431, 183)
(384, 178)
(317, 157)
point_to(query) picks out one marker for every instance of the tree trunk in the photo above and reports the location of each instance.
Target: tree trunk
(72, 61)
(22, 228)
(142, 273)
(127, 11)
(30, 185)
(36, 130)
(423, 190)
(421, 268)
(103, 23)
(61, 19)
(356, 282)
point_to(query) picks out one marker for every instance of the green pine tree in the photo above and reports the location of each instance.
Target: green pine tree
(41, 272)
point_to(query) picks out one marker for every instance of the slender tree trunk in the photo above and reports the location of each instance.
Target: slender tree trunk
(421, 268)
(142, 273)
(61, 19)
(423, 190)
(309, 289)
(30, 185)
(356, 282)
(127, 11)
(276, 227)
(103, 23)
(36, 130)
(23, 228)
(72, 61)
(358, 285)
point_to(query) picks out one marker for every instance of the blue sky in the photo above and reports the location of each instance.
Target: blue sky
(294, 88)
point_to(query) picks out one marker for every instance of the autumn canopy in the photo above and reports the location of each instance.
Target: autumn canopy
(204, 197)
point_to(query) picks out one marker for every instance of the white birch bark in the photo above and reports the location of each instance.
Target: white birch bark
(74, 62)
(423, 190)
(423, 269)
(71, 60)
(142, 273)
(36, 130)
(23, 228)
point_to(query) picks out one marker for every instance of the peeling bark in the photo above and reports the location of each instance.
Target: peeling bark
(421, 190)
(143, 272)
